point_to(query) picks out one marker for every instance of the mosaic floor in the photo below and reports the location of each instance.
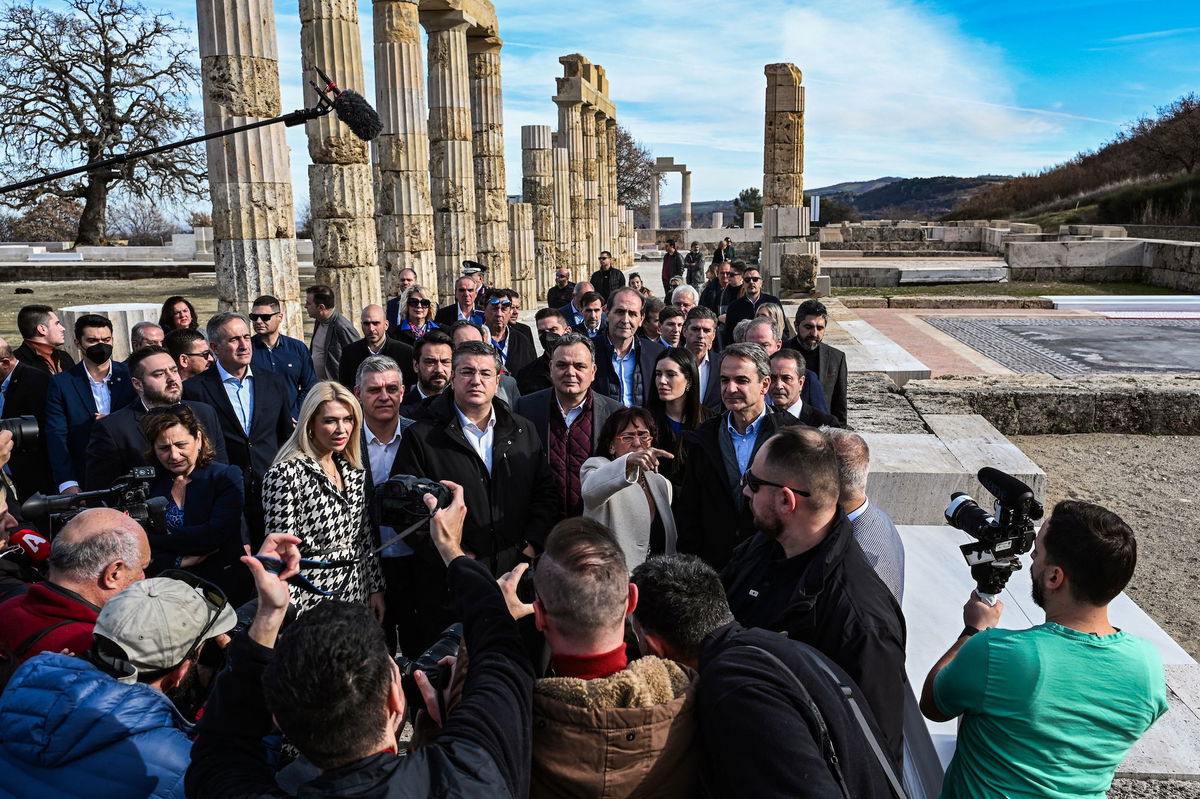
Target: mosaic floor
(1081, 346)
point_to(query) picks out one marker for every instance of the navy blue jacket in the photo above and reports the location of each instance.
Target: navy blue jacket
(212, 513)
(68, 729)
(71, 413)
(292, 361)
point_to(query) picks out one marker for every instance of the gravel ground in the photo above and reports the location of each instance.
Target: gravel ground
(1153, 483)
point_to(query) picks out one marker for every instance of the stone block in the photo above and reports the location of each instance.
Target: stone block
(1024, 227)
(864, 302)
(912, 476)
(975, 443)
(824, 286)
(799, 272)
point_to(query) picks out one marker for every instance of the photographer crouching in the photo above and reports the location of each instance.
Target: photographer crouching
(338, 696)
(1051, 710)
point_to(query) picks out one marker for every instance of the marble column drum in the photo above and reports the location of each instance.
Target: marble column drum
(591, 189)
(563, 225)
(570, 136)
(537, 189)
(487, 141)
(404, 211)
(249, 173)
(522, 248)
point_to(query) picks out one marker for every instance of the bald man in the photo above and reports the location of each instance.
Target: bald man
(375, 341)
(94, 557)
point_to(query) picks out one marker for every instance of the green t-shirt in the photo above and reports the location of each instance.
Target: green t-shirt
(1048, 711)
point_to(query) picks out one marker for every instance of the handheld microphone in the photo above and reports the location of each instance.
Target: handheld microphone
(352, 109)
(35, 545)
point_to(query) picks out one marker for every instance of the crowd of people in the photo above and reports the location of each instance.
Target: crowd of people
(628, 521)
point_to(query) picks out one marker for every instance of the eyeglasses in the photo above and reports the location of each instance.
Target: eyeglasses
(206, 355)
(263, 317)
(629, 438)
(753, 280)
(413, 302)
(563, 277)
(755, 483)
(210, 593)
(502, 303)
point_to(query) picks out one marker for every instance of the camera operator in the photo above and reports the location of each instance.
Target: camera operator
(95, 555)
(23, 393)
(337, 695)
(16, 570)
(1051, 710)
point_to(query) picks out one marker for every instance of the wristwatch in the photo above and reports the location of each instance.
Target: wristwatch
(968, 631)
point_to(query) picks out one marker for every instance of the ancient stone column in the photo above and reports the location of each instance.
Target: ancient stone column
(718, 220)
(563, 225)
(686, 201)
(610, 134)
(405, 213)
(570, 136)
(603, 237)
(631, 232)
(522, 249)
(591, 187)
(654, 222)
(537, 189)
(451, 167)
(341, 194)
(624, 255)
(249, 174)
(487, 142)
(783, 144)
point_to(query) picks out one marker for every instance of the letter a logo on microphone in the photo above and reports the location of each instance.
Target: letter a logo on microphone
(32, 542)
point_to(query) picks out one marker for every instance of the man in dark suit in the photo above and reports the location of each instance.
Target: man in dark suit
(463, 307)
(607, 278)
(23, 393)
(699, 336)
(829, 363)
(44, 334)
(516, 351)
(762, 331)
(551, 323)
(625, 363)
(375, 341)
(118, 443)
(252, 407)
(556, 410)
(432, 358)
(591, 306)
(788, 381)
(514, 319)
(711, 514)
(574, 309)
(92, 388)
(748, 304)
(563, 290)
(405, 279)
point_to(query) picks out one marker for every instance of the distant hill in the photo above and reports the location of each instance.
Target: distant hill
(851, 187)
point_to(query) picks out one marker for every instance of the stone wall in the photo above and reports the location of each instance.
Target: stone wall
(875, 404)
(1172, 264)
(1168, 232)
(1044, 404)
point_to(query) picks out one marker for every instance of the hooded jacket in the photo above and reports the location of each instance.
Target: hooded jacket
(627, 735)
(69, 730)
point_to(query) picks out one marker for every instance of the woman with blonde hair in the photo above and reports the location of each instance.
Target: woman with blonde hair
(775, 312)
(316, 489)
(416, 315)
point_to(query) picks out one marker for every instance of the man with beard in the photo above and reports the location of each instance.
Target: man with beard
(114, 704)
(551, 323)
(1053, 709)
(563, 290)
(118, 443)
(829, 363)
(431, 358)
(274, 352)
(802, 574)
(89, 390)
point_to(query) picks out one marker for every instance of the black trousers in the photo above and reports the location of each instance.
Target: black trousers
(401, 597)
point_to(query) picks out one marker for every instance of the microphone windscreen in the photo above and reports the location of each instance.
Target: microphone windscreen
(35, 545)
(353, 109)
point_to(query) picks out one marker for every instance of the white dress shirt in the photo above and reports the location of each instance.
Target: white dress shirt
(480, 440)
(381, 455)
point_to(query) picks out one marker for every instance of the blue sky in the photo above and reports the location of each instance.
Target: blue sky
(894, 87)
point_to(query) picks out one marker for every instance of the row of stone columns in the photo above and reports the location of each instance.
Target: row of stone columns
(487, 139)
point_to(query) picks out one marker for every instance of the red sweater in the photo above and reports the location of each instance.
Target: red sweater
(43, 606)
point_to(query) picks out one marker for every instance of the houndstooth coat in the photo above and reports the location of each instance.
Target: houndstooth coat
(298, 498)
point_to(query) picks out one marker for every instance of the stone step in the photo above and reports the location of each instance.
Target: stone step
(872, 351)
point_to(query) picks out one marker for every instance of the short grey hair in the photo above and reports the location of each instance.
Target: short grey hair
(753, 353)
(375, 364)
(568, 339)
(758, 320)
(87, 558)
(854, 459)
(739, 330)
(675, 295)
(213, 329)
(471, 348)
(136, 332)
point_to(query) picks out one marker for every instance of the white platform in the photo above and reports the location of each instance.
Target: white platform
(875, 352)
(937, 583)
(1142, 302)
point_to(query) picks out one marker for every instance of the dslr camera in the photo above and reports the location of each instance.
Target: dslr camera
(24, 430)
(439, 675)
(400, 501)
(129, 494)
(1000, 537)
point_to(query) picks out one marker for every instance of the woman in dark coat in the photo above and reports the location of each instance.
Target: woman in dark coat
(204, 503)
(675, 405)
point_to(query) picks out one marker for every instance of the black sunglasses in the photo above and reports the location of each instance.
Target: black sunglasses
(413, 302)
(755, 483)
(210, 593)
(263, 317)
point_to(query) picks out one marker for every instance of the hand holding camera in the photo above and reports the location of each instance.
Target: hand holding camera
(446, 523)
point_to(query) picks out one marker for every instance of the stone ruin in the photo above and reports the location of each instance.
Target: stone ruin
(430, 191)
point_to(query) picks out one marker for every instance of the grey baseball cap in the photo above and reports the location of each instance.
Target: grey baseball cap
(157, 622)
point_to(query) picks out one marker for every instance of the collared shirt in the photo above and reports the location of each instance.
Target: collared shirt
(703, 367)
(502, 346)
(796, 408)
(576, 314)
(291, 360)
(381, 454)
(471, 315)
(623, 368)
(854, 514)
(240, 393)
(569, 415)
(101, 393)
(743, 443)
(480, 440)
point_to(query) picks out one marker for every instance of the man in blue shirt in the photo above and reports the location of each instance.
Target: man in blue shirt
(285, 356)
(624, 362)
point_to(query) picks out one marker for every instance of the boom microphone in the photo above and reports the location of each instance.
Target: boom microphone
(351, 108)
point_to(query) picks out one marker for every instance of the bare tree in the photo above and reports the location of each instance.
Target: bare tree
(1169, 142)
(635, 170)
(99, 79)
(140, 222)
